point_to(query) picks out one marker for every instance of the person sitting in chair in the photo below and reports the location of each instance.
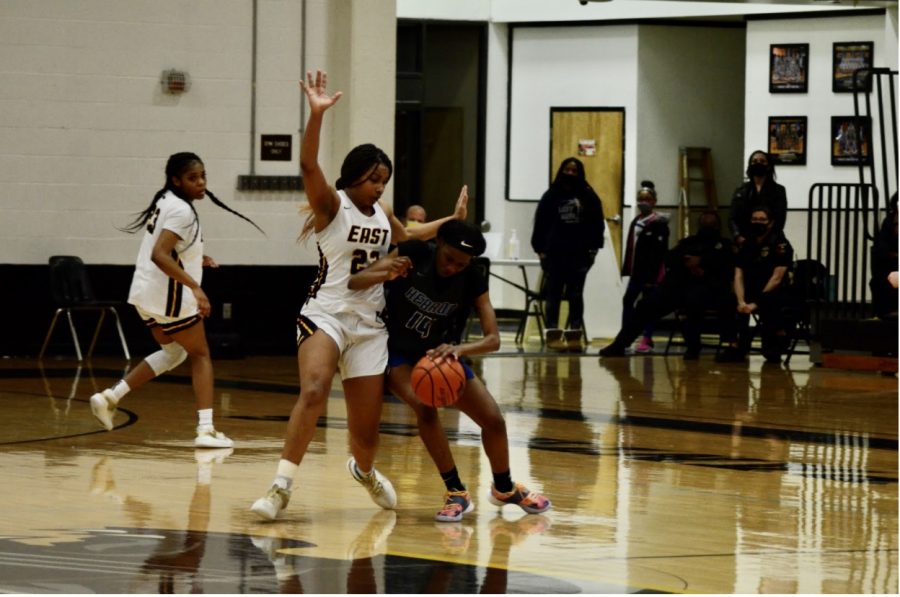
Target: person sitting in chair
(761, 287)
(699, 274)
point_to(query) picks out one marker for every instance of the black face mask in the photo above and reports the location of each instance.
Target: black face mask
(759, 229)
(644, 208)
(708, 233)
(757, 170)
(568, 180)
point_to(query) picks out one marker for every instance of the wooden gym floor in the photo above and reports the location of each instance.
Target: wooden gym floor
(666, 476)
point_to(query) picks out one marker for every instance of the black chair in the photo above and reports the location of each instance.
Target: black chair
(708, 326)
(71, 291)
(809, 288)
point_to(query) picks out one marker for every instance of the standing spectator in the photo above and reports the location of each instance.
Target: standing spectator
(760, 285)
(699, 276)
(759, 190)
(645, 252)
(568, 232)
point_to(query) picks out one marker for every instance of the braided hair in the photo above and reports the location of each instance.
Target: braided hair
(357, 165)
(176, 166)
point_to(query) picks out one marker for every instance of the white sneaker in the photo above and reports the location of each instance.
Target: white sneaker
(208, 437)
(268, 506)
(380, 489)
(104, 408)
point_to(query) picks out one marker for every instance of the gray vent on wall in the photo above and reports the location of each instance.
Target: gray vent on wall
(254, 182)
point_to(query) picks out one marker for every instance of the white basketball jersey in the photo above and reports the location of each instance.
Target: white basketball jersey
(349, 243)
(151, 289)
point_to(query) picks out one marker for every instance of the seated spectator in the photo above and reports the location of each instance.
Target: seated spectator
(760, 286)
(699, 274)
(415, 216)
(884, 261)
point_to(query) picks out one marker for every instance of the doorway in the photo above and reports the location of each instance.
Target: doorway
(596, 136)
(439, 116)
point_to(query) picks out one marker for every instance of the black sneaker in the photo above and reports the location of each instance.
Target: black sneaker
(613, 350)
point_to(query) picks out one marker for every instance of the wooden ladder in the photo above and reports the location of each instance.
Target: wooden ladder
(695, 169)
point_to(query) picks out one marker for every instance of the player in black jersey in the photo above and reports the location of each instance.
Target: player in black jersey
(430, 291)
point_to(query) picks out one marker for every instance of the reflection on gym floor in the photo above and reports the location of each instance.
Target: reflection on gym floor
(666, 476)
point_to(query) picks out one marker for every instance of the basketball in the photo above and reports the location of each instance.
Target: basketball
(436, 384)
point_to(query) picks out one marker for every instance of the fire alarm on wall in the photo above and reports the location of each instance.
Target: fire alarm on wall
(174, 81)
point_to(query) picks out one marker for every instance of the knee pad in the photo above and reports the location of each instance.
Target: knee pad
(171, 355)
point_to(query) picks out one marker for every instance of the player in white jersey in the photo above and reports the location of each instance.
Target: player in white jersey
(166, 292)
(339, 328)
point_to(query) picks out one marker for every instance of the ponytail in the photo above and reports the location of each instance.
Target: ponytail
(175, 167)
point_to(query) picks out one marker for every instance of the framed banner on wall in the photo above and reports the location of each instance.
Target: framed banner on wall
(848, 57)
(787, 140)
(850, 140)
(788, 68)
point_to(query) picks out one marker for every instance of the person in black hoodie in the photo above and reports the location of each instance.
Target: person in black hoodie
(760, 190)
(568, 232)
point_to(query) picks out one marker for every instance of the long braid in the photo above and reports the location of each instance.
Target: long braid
(358, 164)
(175, 167)
(218, 202)
(141, 219)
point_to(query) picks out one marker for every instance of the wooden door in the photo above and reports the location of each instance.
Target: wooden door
(596, 136)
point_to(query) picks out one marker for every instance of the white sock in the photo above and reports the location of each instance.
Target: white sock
(119, 390)
(205, 417)
(285, 473)
(204, 474)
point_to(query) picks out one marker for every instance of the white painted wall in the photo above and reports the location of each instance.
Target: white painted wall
(689, 96)
(85, 130)
(819, 104)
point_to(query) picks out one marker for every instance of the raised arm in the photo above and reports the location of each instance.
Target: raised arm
(322, 197)
(428, 230)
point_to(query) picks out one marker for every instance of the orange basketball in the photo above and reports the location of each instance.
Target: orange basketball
(436, 384)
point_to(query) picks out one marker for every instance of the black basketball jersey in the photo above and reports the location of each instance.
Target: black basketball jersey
(424, 309)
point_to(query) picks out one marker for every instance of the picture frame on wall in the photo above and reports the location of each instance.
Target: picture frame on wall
(788, 68)
(787, 140)
(847, 58)
(850, 142)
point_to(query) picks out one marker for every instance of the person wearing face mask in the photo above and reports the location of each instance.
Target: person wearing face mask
(761, 287)
(645, 252)
(759, 190)
(699, 272)
(568, 232)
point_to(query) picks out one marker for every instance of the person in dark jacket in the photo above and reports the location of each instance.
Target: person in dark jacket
(761, 286)
(645, 252)
(568, 232)
(760, 190)
(699, 275)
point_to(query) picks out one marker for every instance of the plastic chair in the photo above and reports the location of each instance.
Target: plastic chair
(71, 291)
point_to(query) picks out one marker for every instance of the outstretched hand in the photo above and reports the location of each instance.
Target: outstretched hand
(317, 92)
(462, 204)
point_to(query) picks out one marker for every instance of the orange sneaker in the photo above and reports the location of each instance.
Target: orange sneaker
(521, 496)
(456, 503)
